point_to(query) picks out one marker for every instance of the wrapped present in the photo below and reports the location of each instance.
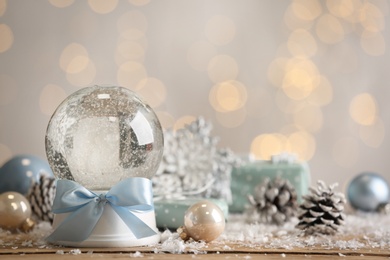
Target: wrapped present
(170, 212)
(247, 176)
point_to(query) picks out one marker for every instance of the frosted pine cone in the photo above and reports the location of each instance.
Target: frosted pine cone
(322, 210)
(41, 198)
(273, 202)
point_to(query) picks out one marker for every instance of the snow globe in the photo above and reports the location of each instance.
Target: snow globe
(104, 144)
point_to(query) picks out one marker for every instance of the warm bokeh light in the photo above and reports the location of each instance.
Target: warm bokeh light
(8, 89)
(222, 68)
(3, 7)
(129, 51)
(306, 9)
(220, 30)
(341, 8)
(139, 2)
(322, 95)
(103, 6)
(77, 64)
(293, 22)
(228, 96)
(306, 77)
(371, 17)
(373, 43)
(329, 29)
(345, 152)
(183, 121)
(276, 71)
(84, 77)
(301, 143)
(298, 84)
(132, 25)
(231, 119)
(50, 97)
(301, 78)
(373, 135)
(61, 3)
(6, 36)
(199, 55)
(74, 58)
(302, 44)
(266, 145)
(309, 118)
(130, 74)
(363, 109)
(166, 119)
(152, 90)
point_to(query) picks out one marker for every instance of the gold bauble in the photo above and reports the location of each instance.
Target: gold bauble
(14, 210)
(204, 221)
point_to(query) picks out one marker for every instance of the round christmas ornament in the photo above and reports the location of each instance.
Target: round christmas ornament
(104, 144)
(203, 221)
(368, 191)
(21, 172)
(272, 202)
(322, 210)
(15, 212)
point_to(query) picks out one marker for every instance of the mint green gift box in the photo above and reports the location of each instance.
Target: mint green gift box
(247, 176)
(170, 212)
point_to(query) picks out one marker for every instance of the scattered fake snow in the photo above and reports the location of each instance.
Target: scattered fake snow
(360, 231)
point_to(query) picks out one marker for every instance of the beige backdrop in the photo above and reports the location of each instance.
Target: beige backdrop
(305, 76)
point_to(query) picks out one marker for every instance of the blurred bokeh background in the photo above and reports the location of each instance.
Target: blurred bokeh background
(304, 76)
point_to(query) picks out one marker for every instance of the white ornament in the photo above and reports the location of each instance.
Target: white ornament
(204, 221)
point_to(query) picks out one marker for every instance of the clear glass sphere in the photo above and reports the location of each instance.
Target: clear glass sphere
(101, 135)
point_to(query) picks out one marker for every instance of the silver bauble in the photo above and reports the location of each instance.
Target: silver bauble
(367, 191)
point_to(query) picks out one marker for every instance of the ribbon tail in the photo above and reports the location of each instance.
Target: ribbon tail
(136, 225)
(79, 225)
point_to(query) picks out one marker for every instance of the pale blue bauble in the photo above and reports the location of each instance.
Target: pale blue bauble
(20, 172)
(367, 191)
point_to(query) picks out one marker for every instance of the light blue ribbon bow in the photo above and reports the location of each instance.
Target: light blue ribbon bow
(86, 207)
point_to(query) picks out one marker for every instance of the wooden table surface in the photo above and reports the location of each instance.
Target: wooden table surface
(23, 246)
(364, 236)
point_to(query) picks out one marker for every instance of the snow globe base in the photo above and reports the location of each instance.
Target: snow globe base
(111, 231)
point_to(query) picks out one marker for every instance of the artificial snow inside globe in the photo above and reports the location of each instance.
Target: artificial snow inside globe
(104, 144)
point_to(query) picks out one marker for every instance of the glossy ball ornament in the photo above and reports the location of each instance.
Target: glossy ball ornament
(368, 191)
(15, 210)
(204, 221)
(21, 172)
(101, 135)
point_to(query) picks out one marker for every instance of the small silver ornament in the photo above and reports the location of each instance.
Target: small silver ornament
(367, 191)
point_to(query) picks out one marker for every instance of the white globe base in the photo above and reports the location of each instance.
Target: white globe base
(111, 231)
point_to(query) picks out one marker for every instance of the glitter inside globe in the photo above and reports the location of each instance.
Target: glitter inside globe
(101, 135)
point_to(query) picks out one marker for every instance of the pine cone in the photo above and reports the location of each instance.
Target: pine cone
(41, 198)
(322, 210)
(272, 202)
